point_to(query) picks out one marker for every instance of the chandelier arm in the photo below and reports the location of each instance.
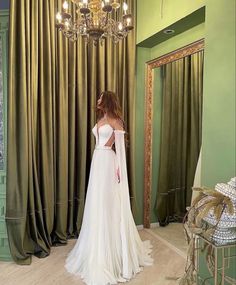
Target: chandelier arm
(94, 21)
(86, 20)
(106, 21)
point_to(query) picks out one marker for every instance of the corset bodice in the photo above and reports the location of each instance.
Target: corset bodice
(102, 134)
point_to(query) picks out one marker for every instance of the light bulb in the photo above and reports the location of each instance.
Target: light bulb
(85, 2)
(128, 21)
(65, 6)
(58, 17)
(125, 7)
(120, 26)
(107, 2)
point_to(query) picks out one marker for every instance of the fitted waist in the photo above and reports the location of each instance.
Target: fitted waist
(103, 147)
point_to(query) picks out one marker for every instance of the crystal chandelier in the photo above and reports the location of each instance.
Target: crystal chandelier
(96, 20)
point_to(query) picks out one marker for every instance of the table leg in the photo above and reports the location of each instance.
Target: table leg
(216, 267)
(223, 267)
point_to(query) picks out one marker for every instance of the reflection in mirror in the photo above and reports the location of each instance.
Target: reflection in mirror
(157, 110)
(1, 110)
(173, 131)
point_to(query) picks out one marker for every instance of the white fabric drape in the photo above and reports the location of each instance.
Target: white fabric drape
(132, 245)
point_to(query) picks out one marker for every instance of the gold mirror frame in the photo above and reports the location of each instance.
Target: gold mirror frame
(149, 79)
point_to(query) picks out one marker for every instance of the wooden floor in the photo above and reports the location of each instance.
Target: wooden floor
(168, 266)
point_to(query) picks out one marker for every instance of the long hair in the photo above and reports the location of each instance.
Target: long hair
(110, 105)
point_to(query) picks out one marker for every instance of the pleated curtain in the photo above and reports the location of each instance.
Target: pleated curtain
(181, 136)
(53, 88)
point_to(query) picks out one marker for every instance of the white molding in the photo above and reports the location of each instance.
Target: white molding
(139, 227)
(152, 225)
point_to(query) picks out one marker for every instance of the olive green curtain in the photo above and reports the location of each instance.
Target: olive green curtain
(53, 88)
(181, 133)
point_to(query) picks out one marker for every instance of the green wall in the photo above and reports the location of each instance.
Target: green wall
(218, 149)
(185, 38)
(155, 15)
(144, 55)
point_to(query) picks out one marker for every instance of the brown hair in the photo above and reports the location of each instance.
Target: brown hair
(110, 105)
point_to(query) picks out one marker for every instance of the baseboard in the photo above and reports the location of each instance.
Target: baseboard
(139, 227)
(152, 225)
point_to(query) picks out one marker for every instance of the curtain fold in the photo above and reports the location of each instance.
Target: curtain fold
(53, 88)
(181, 133)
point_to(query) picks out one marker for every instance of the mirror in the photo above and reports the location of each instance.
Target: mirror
(1, 108)
(152, 71)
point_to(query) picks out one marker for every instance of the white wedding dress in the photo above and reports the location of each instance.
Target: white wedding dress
(109, 249)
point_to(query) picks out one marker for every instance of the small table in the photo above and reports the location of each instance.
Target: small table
(227, 250)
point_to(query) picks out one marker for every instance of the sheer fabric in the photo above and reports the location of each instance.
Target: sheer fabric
(109, 249)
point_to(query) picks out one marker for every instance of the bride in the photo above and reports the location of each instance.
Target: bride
(109, 249)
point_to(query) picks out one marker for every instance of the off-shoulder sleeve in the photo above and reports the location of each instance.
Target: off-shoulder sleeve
(120, 154)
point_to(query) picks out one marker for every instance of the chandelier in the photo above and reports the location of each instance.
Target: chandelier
(96, 20)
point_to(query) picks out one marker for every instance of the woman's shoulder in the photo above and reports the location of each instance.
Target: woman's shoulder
(117, 124)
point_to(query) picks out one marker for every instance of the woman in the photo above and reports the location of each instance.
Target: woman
(109, 249)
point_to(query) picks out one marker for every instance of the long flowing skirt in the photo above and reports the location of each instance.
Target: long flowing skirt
(109, 249)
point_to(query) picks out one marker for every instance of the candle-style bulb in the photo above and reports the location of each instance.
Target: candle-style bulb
(58, 17)
(120, 26)
(125, 7)
(128, 21)
(65, 6)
